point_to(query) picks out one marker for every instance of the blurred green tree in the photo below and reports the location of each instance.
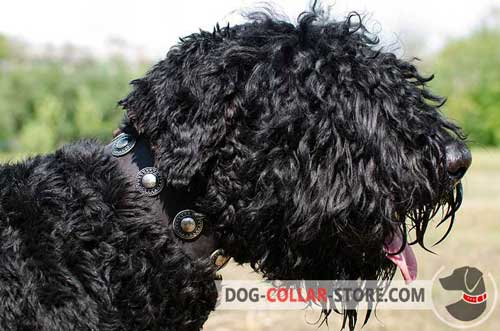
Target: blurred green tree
(47, 100)
(468, 74)
(4, 47)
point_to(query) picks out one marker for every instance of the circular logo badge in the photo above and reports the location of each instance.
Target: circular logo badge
(463, 297)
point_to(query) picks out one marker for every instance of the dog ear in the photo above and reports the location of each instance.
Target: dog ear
(138, 104)
(191, 139)
(183, 125)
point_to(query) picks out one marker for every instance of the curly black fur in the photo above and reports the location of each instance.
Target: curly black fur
(80, 252)
(312, 144)
(306, 139)
(307, 146)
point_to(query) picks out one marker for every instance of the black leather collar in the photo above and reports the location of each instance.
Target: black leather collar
(136, 156)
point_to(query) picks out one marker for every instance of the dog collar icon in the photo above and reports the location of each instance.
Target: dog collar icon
(475, 299)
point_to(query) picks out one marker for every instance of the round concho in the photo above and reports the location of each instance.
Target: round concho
(122, 144)
(149, 181)
(188, 224)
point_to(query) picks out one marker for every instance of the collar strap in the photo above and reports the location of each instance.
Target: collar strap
(190, 229)
(475, 299)
(148, 180)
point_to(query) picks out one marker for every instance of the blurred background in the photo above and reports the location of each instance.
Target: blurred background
(65, 64)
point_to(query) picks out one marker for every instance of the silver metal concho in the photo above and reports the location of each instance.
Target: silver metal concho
(122, 144)
(149, 181)
(188, 224)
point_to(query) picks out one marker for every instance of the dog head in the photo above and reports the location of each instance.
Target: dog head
(313, 151)
(466, 279)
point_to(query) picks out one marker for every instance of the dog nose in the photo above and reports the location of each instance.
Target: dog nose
(458, 159)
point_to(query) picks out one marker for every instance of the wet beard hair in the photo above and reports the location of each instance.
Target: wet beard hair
(418, 220)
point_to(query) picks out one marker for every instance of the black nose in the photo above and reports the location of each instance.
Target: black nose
(458, 159)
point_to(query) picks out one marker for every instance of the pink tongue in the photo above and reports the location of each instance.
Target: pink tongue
(406, 260)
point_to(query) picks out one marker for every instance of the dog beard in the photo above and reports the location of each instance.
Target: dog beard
(399, 250)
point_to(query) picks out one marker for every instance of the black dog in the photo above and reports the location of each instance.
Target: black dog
(304, 150)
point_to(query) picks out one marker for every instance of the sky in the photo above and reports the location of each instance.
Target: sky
(150, 27)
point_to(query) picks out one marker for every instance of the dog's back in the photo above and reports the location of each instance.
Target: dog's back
(55, 211)
(79, 252)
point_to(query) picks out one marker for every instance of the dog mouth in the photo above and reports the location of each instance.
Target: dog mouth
(399, 251)
(401, 254)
